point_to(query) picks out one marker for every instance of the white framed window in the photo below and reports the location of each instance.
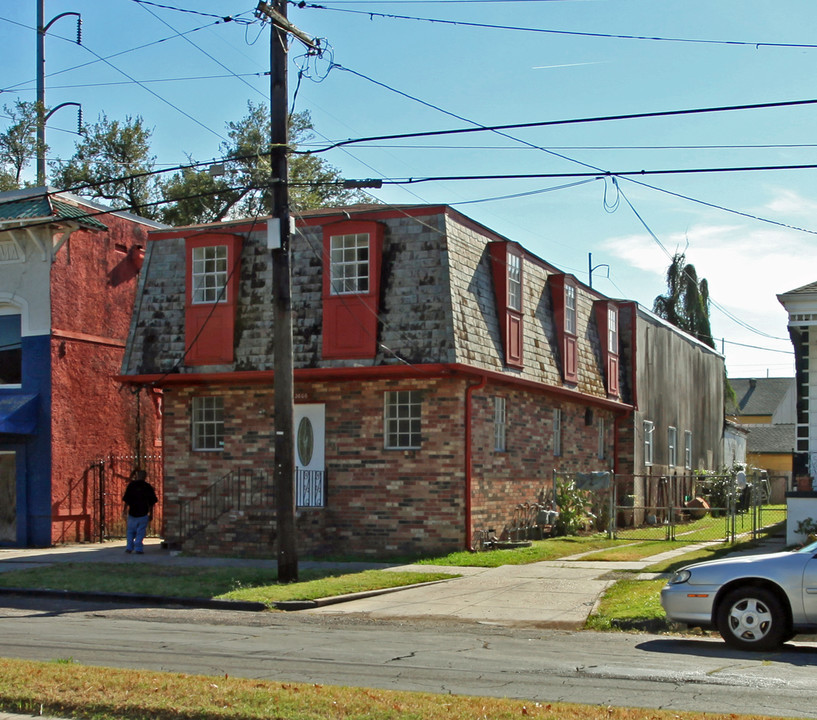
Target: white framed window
(500, 426)
(403, 416)
(612, 330)
(557, 432)
(602, 446)
(514, 282)
(672, 446)
(649, 446)
(208, 422)
(570, 309)
(688, 449)
(209, 274)
(349, 263)
(11, 348)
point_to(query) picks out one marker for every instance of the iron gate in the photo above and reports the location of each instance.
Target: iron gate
(110, 478)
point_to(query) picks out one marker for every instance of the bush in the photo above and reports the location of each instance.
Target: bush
(574, 508)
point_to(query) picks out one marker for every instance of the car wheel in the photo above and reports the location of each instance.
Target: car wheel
(752, 618)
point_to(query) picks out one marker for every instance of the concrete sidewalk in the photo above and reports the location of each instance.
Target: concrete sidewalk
(557, 594)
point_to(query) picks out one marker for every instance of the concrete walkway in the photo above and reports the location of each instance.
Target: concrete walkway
(557, 594)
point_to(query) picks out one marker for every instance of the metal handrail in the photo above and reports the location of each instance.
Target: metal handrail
(237, 490)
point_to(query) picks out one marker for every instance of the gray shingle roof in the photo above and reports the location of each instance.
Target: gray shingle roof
(770, 438)
(760, 396)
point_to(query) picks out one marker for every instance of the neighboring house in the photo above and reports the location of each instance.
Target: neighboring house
(677, 392)
(68, 276)
(801, 305)
(734, 444)
(767, 408)
(443, 376)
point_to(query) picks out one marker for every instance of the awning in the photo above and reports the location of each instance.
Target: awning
(18, 414)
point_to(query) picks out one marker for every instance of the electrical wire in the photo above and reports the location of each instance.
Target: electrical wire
(543, 123)
(144, 5)
(574, 33)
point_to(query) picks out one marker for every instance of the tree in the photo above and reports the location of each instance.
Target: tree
(243, 189)
(112, 163)
(686, 304)
(18, 144)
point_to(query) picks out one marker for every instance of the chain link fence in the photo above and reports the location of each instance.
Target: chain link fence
(694, 508)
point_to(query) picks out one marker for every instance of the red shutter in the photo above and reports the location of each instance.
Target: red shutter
(567, 341)
(610, 361)
(511, 321)
(350, 319)
(209, 328)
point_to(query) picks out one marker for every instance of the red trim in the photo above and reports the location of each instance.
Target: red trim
(469, 463)
(83, 337)
(350, 319)
(210, 327)
(567, 341)
(379, 372)
(610, 358)
(511, 321)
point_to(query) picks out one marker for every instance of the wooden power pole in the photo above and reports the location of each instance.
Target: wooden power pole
(284, 471)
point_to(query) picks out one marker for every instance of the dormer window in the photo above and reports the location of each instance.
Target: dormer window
(209, 274)
(607, 321)
(515, 282)
(565, 315)
(212, 298)
(570, 309)
(506, 267)
(351, 288)
(612, 330)
(350, 264)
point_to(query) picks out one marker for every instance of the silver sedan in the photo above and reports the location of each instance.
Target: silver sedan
(756, 602)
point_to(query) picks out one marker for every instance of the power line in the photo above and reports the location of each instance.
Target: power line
(93, 62)
(167, 80)
(548, 123)
(223, 18)
(574, 33)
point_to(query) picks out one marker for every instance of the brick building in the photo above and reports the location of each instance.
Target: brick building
(68, 277)
(443, 375)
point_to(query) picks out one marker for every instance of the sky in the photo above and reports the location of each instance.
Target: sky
(190, 67)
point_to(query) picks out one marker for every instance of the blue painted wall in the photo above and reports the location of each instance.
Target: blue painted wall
(34, 451)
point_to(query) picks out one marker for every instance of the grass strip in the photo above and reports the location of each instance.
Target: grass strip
(225, 583)
(551, 549)
(65, 689)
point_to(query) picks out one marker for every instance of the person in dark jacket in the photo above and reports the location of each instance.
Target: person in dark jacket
(139, 499)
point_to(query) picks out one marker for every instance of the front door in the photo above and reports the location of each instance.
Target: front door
(310, 462)
(8, 497)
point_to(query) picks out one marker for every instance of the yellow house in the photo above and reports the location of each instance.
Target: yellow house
(766, 407)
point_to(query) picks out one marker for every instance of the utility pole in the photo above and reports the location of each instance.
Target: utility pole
(283, 383)
(42, 117)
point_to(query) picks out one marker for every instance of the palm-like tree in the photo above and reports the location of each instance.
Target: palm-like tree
(686, 304)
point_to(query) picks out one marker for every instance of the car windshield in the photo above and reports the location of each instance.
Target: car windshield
(810, 548)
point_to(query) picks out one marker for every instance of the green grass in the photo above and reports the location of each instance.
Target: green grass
(551, 549)
(61, 689)
(220, 583)
(633, 604)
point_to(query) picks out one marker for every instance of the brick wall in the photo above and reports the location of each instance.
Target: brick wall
(379, 502)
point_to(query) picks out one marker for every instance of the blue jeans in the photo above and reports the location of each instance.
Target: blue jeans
(137, 529)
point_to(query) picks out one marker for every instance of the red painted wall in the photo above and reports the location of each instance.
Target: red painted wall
(93, 286)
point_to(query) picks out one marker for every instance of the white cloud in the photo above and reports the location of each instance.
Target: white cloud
(788, 202)
(746, 269)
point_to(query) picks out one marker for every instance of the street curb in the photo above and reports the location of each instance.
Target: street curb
(205, 603)
(136, 599)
